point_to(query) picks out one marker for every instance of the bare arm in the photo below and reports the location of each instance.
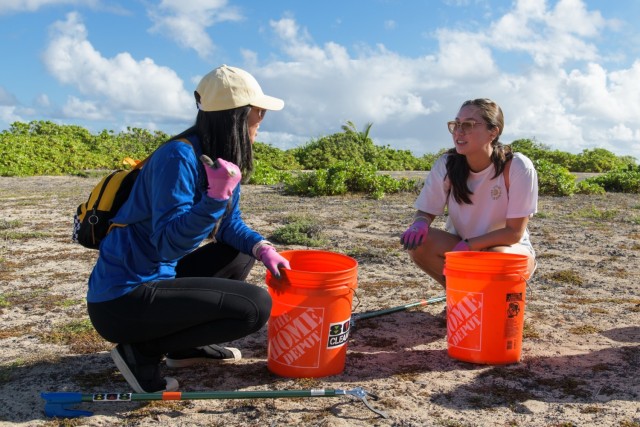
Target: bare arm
(507, 236)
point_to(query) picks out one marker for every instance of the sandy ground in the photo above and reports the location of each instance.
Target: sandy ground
(581, 349)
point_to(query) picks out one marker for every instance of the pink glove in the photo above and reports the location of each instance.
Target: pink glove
(461, 246)
(273, 260)
(222, 177)
(415, 235)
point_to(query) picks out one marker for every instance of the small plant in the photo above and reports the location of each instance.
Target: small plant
(570, 277)
(6, 225)
(79, 335)
(529, 332)
(596, 214)
(584, 330)
(299, 230)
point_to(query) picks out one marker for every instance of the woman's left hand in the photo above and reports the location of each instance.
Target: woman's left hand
(273, 260)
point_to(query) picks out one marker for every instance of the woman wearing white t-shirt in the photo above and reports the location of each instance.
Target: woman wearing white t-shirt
(489, 192)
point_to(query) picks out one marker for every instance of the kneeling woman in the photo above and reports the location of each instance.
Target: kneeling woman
(490, 194)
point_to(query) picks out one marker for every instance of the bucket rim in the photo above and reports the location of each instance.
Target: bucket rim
(486, 255)
(320, 252)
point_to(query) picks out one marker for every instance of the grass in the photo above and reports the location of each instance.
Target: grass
(584, 330)
(529, 331)
(79, 335)
(595, 213)
(7, 225)
(22, 235)
(6, 371)
(570, 277)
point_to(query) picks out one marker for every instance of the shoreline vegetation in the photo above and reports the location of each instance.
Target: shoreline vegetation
(346, 162)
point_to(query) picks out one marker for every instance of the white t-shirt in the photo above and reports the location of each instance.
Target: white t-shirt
(492, 204)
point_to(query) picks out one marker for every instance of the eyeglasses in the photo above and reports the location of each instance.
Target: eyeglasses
(261, 111)
(465, 127)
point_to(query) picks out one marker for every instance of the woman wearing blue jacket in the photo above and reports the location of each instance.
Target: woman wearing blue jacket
(155, 290)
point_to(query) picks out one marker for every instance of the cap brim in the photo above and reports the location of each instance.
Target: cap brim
(268, 103)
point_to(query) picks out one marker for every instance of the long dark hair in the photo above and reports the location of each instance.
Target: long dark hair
(224, 134)
(457, 166)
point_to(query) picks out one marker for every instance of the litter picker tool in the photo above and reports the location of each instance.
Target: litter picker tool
(369, 314)
(59, 404)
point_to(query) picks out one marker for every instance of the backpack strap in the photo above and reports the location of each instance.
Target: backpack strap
(505, 172)
(137, 164)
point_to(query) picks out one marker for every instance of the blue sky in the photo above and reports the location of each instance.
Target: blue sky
(565, 72)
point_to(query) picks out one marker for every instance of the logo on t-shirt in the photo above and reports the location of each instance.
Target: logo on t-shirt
(496, 192)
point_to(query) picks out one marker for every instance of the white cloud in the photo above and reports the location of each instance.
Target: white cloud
(87, 110)
(19, 6)
(186, 21)
(43, 100)
(7, 98)
(462, 55)
(121, 83)
(623, 133)
(9, 114)
(379, 86)
(409, 99)
(550, 37)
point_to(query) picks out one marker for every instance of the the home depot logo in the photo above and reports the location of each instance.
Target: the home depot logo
(464, 319)
(295, 337)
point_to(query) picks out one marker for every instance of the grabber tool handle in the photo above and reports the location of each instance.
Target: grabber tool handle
(58, 404)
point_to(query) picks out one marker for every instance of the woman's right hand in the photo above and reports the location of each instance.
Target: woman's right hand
(415, 234)
(222, 177)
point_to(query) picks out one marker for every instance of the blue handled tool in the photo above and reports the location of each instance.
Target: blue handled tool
(59, 404)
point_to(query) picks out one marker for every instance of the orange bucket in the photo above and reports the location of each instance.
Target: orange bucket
(311, 314)
(485, 306)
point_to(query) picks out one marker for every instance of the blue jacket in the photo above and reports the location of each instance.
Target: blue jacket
(168, 215)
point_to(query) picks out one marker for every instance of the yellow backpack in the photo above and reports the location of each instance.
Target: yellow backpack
(92, 220)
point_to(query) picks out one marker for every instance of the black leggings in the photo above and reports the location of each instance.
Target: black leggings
(207, 303)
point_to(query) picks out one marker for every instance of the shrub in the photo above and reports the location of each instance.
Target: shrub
(621, 181)
(599, 160)
(265, 174)
(586, 187)
(347, 177)
(274, 157)
(357, 148)
(299, 230)
(554, 180)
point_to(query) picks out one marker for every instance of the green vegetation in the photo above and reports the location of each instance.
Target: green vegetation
(299, 230)
(346, 177)
(79, 335)
(45, 148)
(336, 164)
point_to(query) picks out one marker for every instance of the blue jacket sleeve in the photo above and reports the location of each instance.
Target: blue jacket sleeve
(234, 231)
(180, 218)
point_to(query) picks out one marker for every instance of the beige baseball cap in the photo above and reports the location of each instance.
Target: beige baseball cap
(227, 87)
